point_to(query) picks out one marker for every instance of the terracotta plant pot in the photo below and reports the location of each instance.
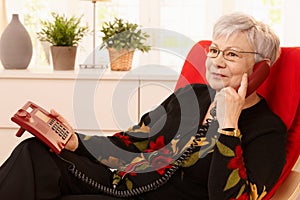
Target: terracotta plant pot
(63, 57)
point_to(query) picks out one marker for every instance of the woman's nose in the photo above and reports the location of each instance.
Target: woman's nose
(219, 61)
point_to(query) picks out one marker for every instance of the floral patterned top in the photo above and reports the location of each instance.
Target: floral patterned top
(217, 167)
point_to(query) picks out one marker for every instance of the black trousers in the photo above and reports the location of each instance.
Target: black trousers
(33, 172)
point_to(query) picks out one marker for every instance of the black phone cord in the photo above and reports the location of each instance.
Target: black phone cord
(148, 187)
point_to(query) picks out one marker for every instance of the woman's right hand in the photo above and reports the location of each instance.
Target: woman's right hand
(230, 103)
(73, 142)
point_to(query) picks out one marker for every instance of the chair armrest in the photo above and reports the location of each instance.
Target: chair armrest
(290, 188)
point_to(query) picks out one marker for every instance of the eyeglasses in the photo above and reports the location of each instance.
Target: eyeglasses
(228, 54)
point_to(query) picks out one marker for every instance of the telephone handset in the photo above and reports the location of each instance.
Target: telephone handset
(260, 72)
(43, 125)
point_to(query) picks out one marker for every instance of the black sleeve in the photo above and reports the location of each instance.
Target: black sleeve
(177, 115)
(248, 170)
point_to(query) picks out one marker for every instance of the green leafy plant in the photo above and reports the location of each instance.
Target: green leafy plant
(120, 34)
(62, 31)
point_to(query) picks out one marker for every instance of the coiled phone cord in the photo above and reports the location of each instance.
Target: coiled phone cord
(148, 187)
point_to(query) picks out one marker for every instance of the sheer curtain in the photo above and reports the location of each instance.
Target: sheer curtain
(3, 17)
(282, 15)
(191, 20)
(291, 28)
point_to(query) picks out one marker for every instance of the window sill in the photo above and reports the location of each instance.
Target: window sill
(142, 73)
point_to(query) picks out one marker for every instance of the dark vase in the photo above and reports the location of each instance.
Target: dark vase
(15, 45)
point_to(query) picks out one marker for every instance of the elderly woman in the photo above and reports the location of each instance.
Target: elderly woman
(203, 142)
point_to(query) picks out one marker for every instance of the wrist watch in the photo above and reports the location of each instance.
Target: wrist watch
(230, 131)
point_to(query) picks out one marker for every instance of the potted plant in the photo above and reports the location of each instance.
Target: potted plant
(63, 34)
(122, 38)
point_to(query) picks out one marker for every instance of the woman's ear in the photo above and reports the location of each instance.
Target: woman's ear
(268, 61)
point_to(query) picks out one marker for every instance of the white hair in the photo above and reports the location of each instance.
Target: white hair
(260, 35)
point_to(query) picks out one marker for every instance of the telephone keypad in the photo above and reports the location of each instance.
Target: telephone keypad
(59, 129)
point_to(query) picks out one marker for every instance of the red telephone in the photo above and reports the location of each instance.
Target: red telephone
(260, 72)
(43, 125)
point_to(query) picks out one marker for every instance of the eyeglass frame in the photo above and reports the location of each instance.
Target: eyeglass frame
(228, 49)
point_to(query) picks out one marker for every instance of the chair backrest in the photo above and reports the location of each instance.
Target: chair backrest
(281, 91)
(193, 70)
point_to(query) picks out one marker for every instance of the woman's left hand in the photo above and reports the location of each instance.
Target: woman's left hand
(73, 142)
(230, 103)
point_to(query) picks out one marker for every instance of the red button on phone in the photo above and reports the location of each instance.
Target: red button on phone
(24, 114)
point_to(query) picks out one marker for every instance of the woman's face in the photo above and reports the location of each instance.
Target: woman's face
(221, 72)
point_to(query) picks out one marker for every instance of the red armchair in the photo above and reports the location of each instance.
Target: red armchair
(282, 92)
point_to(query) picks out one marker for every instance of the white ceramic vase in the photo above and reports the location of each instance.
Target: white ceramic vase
(15, 45)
